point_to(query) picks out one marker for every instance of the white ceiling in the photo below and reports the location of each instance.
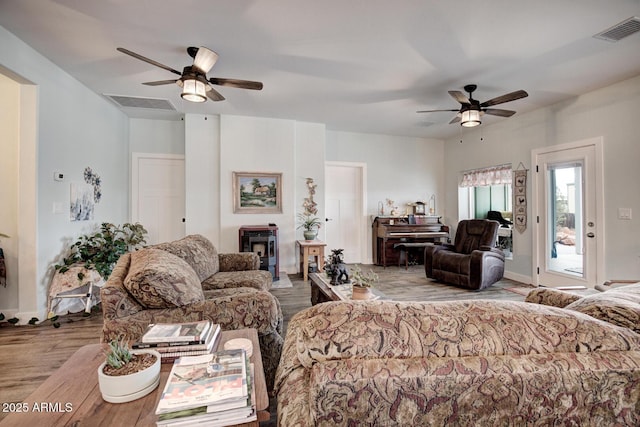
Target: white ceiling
(355, 65)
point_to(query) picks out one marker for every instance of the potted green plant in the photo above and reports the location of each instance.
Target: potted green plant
(126, 375)
(100, 250)
(309, 224)
(362, 283)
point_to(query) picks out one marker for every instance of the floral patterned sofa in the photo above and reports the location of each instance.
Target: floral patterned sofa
(216, 270)
(185, 281)
(459, 363)
(619, 306)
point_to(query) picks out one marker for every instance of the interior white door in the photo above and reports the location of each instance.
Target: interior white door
(567, 217)
(158, 196)
(344, 204)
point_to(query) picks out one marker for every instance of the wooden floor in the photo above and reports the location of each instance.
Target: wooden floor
(29, 354)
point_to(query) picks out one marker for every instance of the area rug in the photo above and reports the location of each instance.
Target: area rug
(521, 290)
(284, 282)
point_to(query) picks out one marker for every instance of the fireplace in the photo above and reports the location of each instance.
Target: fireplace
(263, 241)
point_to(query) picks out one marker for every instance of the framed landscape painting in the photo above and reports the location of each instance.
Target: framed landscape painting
(257, 192)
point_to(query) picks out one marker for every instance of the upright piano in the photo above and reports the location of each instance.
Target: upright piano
(388, 231)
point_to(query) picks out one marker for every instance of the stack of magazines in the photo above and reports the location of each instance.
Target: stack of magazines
(175, 340)
(212, 390)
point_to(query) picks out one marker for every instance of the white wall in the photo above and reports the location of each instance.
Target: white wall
(202, 178)
(249, 144)
(309, 163)
(402, 169)
(74, 128)
(609, 112)
(9, 161)
(215, 147)
(156, 136)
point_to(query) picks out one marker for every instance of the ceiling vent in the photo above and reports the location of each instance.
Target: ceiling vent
(621, 30)
(137, 102)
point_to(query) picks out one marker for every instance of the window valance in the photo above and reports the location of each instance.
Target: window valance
(494, 175)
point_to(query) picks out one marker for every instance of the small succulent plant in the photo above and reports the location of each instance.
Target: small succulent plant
(118, 354)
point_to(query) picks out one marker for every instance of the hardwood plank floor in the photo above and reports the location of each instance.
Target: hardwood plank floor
(30, 354)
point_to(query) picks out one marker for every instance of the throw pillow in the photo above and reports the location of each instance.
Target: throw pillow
(620, 306)
(159, 279)
(197, 251)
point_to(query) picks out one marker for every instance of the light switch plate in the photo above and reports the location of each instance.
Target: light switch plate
(58, 208)
(624, 213)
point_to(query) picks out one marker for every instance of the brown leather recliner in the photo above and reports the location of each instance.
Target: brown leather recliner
(473, 261)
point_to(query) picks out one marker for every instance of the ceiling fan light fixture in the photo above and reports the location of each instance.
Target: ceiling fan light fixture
(205, 59)
(470, 118)
(194, 90)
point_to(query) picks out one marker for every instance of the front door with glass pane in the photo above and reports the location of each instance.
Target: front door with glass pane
(567, 219)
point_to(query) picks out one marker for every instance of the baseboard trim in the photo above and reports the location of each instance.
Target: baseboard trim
(24, 317)
(518, 277)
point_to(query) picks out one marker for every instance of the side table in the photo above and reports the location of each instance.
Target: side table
(307, 249)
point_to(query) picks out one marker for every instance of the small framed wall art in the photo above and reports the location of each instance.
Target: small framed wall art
(257, 192)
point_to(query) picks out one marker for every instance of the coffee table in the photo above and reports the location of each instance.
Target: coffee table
(323, 291)
(71, 396)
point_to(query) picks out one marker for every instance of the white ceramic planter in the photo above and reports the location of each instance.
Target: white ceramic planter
(125, 388)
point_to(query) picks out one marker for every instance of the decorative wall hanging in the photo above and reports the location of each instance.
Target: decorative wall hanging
(82, 202)
(257, 192)
(93, 179)
(520, 198)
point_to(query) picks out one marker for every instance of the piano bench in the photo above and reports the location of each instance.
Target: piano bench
(405, 248)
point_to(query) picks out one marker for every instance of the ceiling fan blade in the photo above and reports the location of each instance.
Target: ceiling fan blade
(459, 96)
(214, 95)
(432, 111)
(205, 59)
(161, 82)
(456, 119)
(505, 98)
(241, 84)
(498, 112)
(150, 61)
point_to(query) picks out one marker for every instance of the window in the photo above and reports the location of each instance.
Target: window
(484, 190)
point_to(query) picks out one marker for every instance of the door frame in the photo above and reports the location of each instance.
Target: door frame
(135, 160)
(598, 145)
(365, 237)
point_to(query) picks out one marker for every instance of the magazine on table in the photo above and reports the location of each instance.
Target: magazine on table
(207, 380)
(212, 336)
(168, 355)
(188, 332)
(205, 416)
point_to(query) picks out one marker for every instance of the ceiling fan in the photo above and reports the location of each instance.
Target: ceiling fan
(193, 78)
(471, 110)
